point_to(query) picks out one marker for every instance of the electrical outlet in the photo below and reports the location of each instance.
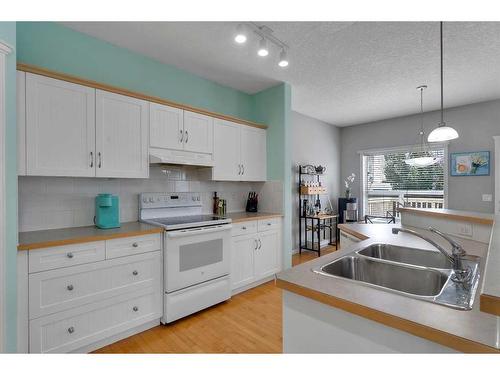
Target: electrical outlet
(487, 197)
(464, 229)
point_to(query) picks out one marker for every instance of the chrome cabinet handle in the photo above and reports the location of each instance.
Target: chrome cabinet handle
(187, 135)
(256, 245)
(135, 273)
(71, 329)
(91, 159)
(100, 159)
(135, 308)
(69, 287)
(243, 169)
(260, 244)
(69, 255)
(244, 228)
(269, 224)
(182, 136)
(135, 244)
(239, 167)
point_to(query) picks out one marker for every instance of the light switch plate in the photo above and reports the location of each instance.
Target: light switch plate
(487, 197)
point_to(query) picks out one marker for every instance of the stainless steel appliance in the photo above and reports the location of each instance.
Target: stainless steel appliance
(196, 250)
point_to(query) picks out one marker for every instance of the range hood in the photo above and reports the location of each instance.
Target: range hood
(163, 156)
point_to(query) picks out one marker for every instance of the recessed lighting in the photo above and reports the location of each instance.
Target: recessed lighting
(263, 50)
(241, 36)
(283, 59)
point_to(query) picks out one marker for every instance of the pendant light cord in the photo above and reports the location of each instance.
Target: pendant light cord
(441, 45)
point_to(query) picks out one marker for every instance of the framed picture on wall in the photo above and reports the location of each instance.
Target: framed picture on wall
(470, 163)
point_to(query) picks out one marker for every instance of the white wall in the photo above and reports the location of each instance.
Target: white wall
(62, 202)
(318, 143)
(475, 123)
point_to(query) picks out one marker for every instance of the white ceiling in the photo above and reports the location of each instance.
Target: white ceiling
(343, 73)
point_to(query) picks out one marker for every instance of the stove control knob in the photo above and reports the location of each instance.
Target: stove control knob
(151, 200)
(145, 200)
(197, 198)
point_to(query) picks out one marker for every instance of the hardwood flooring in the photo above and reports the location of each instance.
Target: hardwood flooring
(251, 322)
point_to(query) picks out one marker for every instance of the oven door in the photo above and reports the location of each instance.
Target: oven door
(193, 256)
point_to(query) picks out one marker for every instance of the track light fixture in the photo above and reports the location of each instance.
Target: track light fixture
(266, 36)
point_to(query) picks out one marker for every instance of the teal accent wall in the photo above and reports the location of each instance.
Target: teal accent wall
(8, 35)
(56, 47)
(273, 108)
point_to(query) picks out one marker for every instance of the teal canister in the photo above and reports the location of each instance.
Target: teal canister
(107, 211)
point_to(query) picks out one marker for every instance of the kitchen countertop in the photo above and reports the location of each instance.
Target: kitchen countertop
(473, 217)
(364, 231)
(56, 237)
(237, 217)
(466, 331)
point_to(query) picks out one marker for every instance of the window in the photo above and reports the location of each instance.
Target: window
(388, 182)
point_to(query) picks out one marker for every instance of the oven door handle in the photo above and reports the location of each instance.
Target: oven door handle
(195, 231)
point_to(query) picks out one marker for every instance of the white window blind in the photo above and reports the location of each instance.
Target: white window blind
(389, 182)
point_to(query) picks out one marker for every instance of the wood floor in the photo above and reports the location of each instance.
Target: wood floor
(249, 323)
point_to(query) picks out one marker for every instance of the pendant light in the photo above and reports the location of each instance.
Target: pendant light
(443, 132)
(421, 157)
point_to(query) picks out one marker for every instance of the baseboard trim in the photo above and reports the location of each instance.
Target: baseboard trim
(252, 285)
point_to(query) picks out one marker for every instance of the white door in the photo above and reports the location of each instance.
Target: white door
(198, 132)
(21, 123)
(122, 125)
(242, 260)
(166, 127)
(60, 127)
(253, 154)
(227, 164)
(266, 255)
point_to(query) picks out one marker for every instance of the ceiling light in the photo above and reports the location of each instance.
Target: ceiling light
(241, 36)
(443, 132)
(263, 50)
(283, 59)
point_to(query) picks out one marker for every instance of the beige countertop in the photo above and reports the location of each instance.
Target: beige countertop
(237, 217)
(474, 217)
(466, 331)
(65, 236)
(364, 231)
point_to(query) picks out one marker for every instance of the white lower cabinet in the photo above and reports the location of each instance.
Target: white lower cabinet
(76, 306)
(254, 256)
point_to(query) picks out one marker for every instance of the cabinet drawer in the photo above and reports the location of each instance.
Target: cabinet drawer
(66, 288)
(72, 329)
(121, 247)
(268, 224)
(246, 227)
(65, 256)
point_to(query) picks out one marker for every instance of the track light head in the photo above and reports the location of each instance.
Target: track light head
(283, 62)
(263, 50)
(240, 37)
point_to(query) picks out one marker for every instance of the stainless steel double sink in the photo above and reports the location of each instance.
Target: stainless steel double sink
(416, 273)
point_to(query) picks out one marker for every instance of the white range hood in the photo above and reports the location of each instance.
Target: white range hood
(162, 156)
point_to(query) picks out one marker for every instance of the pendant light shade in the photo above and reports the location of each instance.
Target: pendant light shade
(443, 132)
(423, 161)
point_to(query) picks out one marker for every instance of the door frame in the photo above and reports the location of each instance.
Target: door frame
(5, 49)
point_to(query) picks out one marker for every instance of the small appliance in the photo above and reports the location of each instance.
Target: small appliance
(107, 211)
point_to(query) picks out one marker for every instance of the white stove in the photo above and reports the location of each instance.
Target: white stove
(196, 251)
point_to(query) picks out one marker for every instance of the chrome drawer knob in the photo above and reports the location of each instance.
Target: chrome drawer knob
(69, 255)
(135, 308)
(70, 287)
(135, 244)
(268, 223)
(71, 329)
(135, 273)
(244, 228)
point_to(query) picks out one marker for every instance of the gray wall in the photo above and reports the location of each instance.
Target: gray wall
(475, 123)
(314, 142)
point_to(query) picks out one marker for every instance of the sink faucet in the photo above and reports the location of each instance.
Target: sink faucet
(457, 251)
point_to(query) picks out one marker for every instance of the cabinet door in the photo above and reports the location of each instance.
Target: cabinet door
(266, 255)
(166, 127)
(198, 132)
(226, 151)
(122, 125)
(242, 260)
(60, 127)
(21, 123)
(253, 154)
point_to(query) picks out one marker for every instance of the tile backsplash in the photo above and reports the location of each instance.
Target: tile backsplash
(62, 202)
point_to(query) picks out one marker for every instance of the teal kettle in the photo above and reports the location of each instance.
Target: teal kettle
(107, 211)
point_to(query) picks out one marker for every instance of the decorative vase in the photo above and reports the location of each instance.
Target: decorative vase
(348, 193)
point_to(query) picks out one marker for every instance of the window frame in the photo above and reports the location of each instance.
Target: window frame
(405, 148)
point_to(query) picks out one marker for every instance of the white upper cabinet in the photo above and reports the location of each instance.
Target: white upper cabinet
(198, 133)
(166, 127)
(60, 127)
(227, 164)
(122, 127)
(21, 123)
(253, 154)
(239, 152)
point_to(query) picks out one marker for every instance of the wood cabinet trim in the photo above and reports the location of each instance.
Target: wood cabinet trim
(117, 90)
